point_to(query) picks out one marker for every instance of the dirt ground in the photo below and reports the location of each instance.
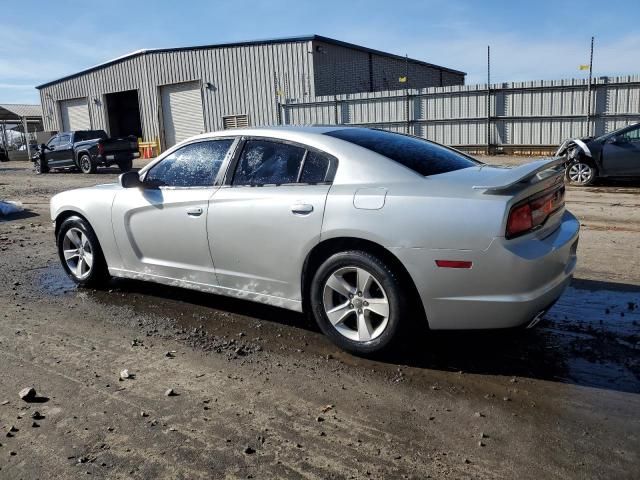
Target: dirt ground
(260, 393)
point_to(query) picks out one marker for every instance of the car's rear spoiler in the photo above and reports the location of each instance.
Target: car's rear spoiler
(513, 176)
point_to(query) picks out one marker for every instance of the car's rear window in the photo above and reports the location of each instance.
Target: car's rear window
(421, 156)
(82, 135)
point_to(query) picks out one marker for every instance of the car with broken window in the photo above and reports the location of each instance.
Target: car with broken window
(370, 232)
(85, 150)
(615, 154)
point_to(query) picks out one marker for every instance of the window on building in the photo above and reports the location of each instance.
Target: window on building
(235, 121)
(194, 165)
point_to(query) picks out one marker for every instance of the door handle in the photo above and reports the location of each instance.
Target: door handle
(301, 209)
(194, 212)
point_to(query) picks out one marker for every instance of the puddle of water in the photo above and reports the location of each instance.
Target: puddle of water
(590, 337)
(53, 280)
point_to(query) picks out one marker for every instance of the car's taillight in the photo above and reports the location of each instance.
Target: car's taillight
(533, 212)
(100, 149)
(520, 221)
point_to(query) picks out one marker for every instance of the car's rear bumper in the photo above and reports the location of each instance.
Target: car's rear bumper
(112, 158)
(509, 284)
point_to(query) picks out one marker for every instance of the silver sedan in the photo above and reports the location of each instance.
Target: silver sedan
(371, 232)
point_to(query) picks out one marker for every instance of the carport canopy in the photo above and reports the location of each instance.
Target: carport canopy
(22, 115)
(15, 113)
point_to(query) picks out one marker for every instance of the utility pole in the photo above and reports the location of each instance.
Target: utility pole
(25, 127)
(406, 92)
(335, 92)
(488, 99)
(589, 90)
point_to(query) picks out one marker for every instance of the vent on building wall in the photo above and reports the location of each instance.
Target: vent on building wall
(235, 121)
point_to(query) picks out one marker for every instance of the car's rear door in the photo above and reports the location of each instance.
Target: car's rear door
(622, 156)
(268, 215)
(161, 227)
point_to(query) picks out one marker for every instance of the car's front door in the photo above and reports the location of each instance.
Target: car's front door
(50, 150)
(161, 227)
(268, 215)
(621, 154)
(62, 156)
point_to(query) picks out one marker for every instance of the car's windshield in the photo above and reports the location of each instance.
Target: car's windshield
(421, 156)
(82, 135)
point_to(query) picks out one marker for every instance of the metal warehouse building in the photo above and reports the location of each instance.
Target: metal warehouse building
(167, 95)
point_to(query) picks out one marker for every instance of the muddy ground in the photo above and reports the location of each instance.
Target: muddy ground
(260, 393)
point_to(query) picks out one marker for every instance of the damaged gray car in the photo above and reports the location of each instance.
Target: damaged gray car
(615, 154)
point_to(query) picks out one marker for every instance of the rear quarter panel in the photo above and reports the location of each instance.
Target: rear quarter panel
(411, 217)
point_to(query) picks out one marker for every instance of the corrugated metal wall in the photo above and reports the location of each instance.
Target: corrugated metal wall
(540, 113)
(247, 79)
(234, 80)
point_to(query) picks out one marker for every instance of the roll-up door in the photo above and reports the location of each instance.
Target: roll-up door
(181, 111)
(75, 115)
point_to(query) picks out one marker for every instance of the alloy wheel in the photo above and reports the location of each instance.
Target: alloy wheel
(78, 253)
(356, 304)
(85, 164)
(580, 173)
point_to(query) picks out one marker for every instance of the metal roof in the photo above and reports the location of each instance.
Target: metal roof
(303, 38)
(10, 111)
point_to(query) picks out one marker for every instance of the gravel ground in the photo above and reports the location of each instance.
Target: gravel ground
(260, 393)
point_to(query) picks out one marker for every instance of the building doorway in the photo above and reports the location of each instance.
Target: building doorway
(123, 112)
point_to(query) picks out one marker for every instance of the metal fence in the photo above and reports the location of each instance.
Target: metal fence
(524, 117)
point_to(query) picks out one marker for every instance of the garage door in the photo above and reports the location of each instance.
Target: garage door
(75, 115)
(181, 111)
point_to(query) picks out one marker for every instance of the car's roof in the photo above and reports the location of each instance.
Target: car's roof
(276, 130)
(356, 161)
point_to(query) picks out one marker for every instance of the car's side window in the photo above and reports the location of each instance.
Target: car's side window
(632, 135)
(63, 140)
(194, 165)
(53, 142)
(317, 168)
(265, 162)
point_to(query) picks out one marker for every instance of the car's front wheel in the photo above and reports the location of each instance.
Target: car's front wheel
(358, 302)
(80, 253)
(581, 173)
(86, 165)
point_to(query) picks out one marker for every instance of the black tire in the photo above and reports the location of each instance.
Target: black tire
(581, 173)
(40, 166)
(126, 165)
(390, 282)
(86, 164)
(98, 273)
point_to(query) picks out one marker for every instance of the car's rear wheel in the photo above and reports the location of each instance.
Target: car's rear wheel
(581, 173)
(358, 303)
(86, 165)
(126, 165)
(80, 253)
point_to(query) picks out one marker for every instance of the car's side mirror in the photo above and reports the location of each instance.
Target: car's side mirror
(130, 180)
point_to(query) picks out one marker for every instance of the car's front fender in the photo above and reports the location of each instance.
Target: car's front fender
(94, 205)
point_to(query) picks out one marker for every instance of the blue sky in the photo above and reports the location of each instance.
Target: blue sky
(530, 40)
